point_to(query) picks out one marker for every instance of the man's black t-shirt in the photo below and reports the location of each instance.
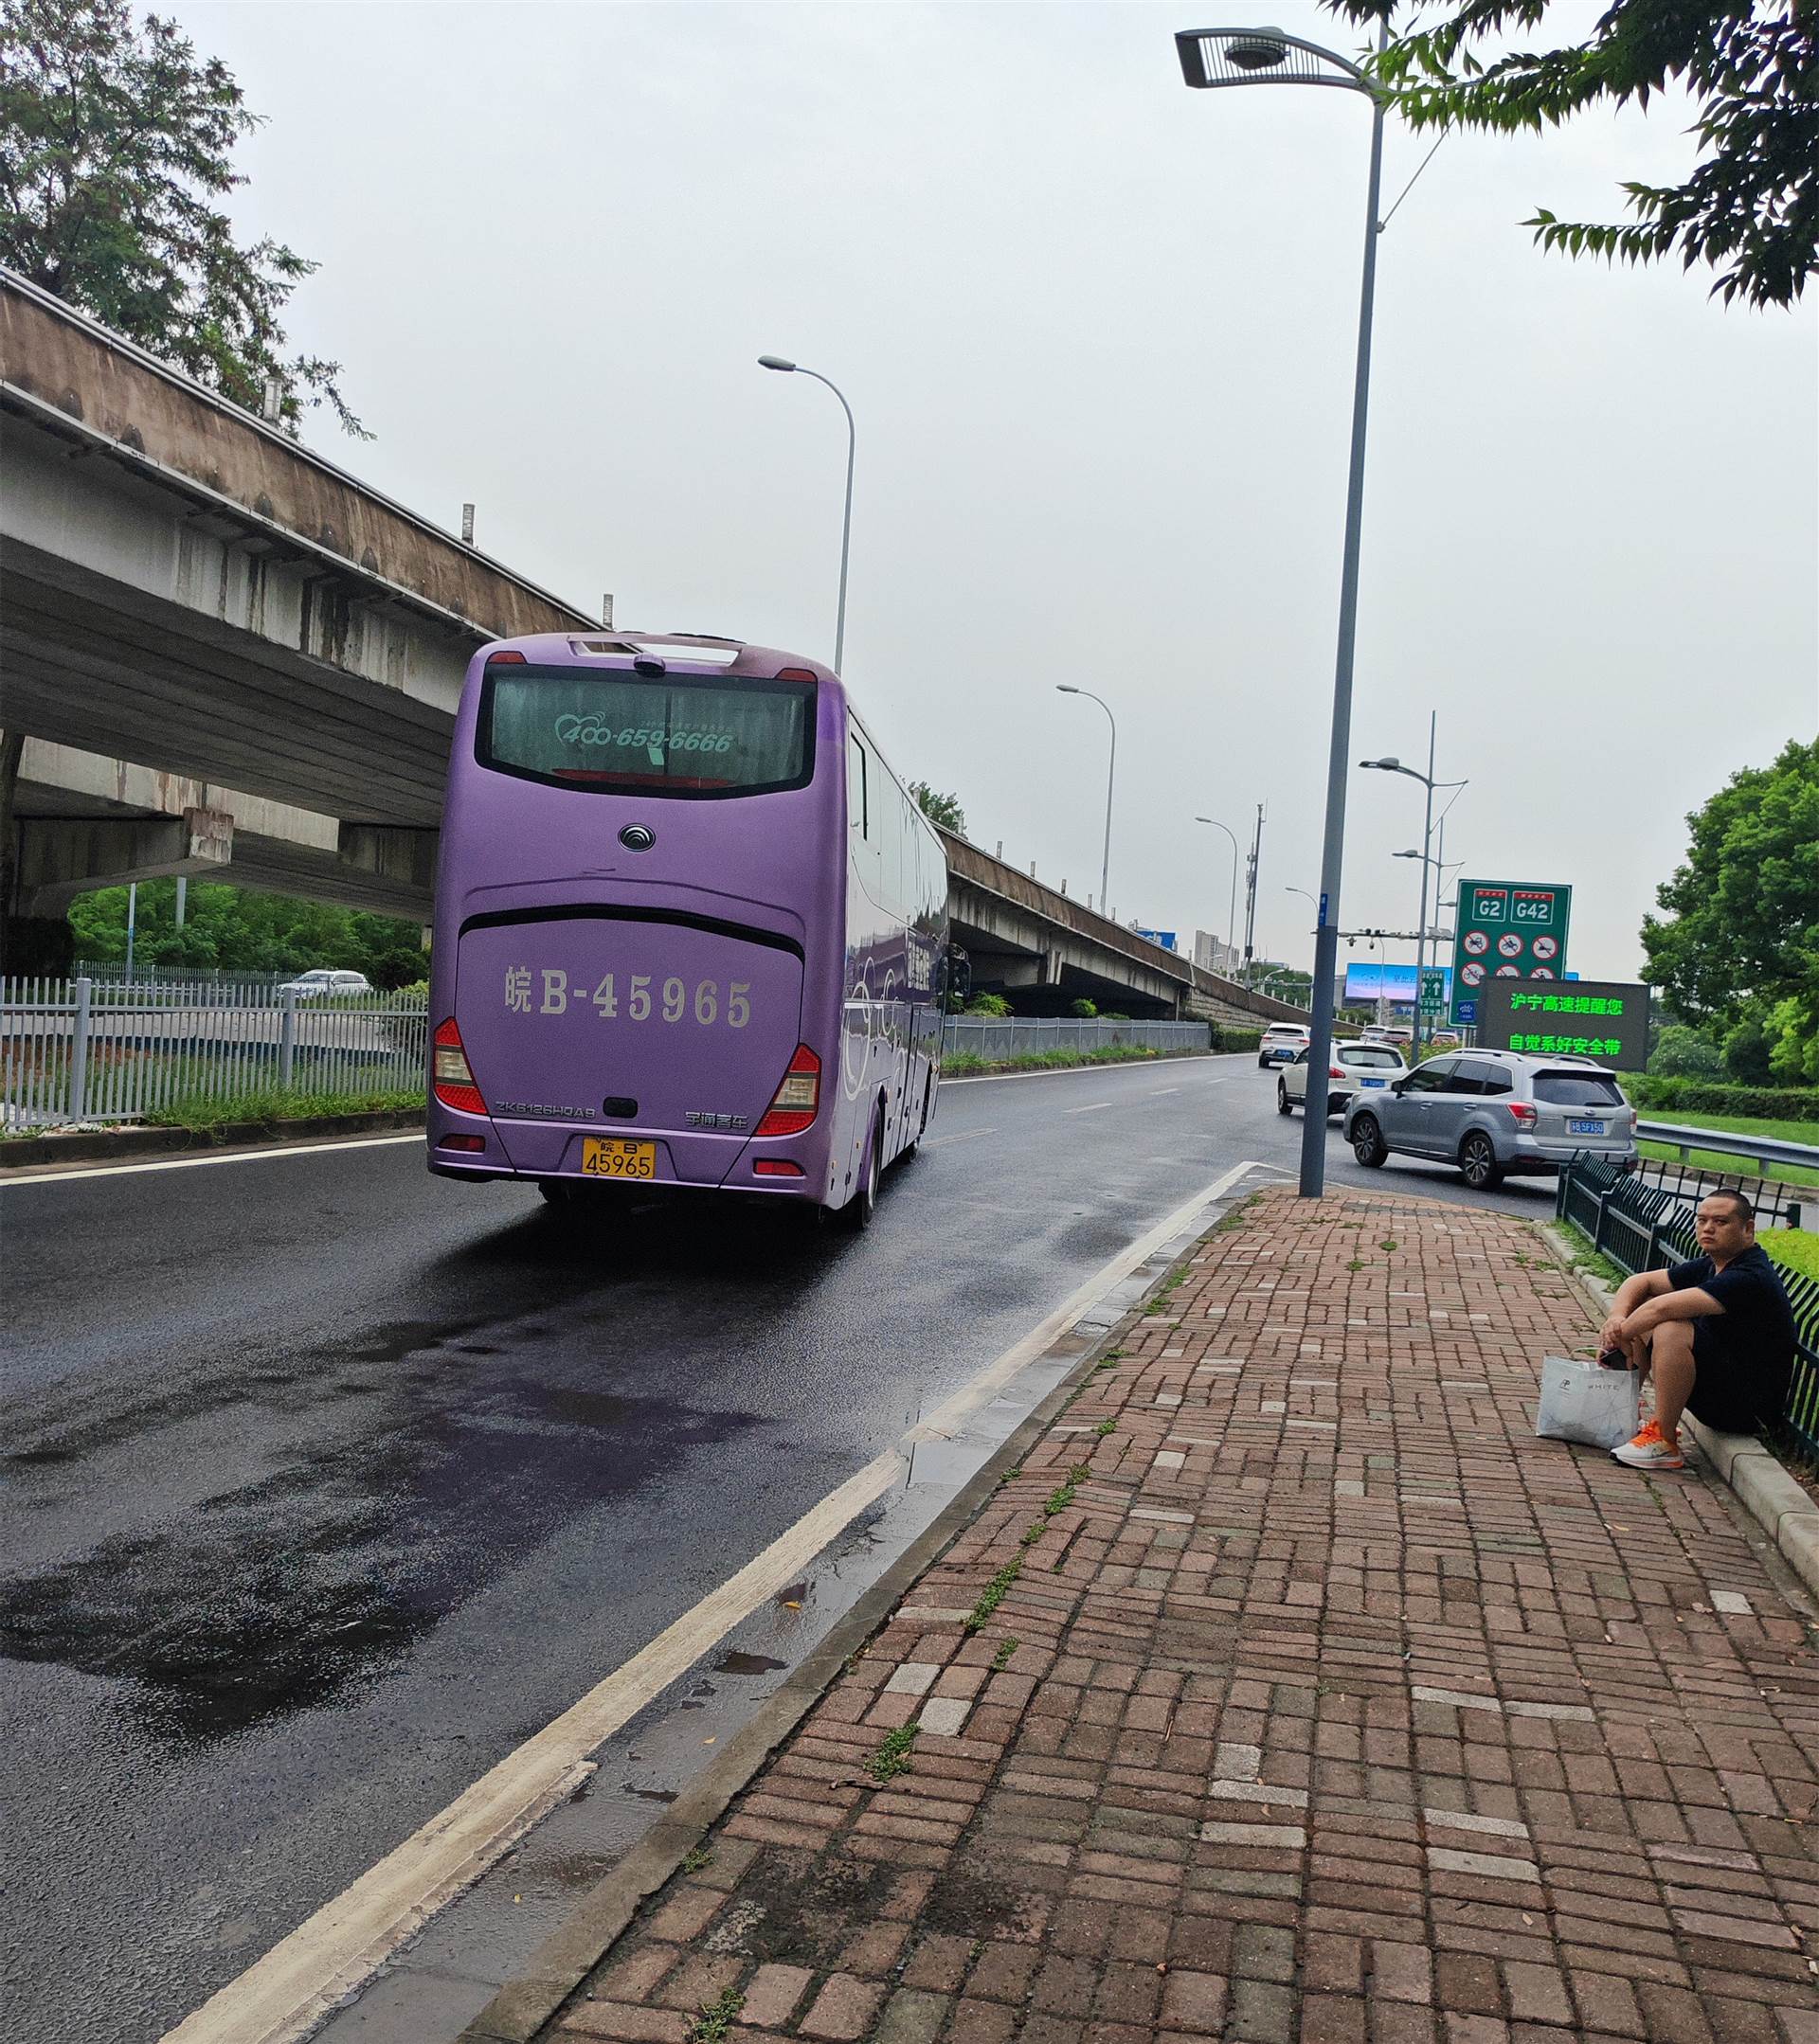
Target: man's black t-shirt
(1751, 1345)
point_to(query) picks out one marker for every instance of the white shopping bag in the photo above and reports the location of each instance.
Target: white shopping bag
(1581, 1401)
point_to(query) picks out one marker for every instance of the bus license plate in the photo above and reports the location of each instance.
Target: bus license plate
(1585, 1128)
(613, 1157)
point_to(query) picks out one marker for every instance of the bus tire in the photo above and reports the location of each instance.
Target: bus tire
(553, 1191)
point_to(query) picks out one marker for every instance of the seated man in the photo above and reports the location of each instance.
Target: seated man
(1716, 1336)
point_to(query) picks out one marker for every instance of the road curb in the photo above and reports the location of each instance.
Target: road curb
(1752, 1472)
(558, 1967)
(128, 1145)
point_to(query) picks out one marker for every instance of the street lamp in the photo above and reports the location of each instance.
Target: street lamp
(1305, 896)
(1391, 764)
(1232, 908)
(1210, 58)
(795, 369)
(1062, 688)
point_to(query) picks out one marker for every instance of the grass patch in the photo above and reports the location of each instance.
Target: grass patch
(1357, 1263)
(202, 1112)
(1388, 1243)
(967, 1063)
(1227, 1221)
(1105, 1427)
(1110, 1359)
(893, 1756)
(1007, 1647)
(717, 2017)
(1792, 1248)
(697, 1858)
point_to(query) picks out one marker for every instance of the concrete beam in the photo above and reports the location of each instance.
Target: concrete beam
(59, 858)
(404, 859)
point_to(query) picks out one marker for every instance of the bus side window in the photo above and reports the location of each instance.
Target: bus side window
(855, 791)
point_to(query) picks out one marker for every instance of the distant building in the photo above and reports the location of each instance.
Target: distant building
(1213, 956)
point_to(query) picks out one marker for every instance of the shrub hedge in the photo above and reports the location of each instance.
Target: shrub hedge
(1227, 1037)
(1711, 1096)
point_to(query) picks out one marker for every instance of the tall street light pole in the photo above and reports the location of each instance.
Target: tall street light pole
(1221, 57)
(1232, 908)
(795, 369)
(1391, 764)
(1062, 688)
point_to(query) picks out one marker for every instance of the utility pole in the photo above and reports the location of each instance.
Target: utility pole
(1250, 895)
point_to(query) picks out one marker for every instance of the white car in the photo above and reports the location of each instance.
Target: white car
(1355, 1067)
(322, 982)
(1281, 1043)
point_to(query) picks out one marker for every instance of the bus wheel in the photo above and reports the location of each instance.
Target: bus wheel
(859, 1211)
(914, 1143)
(553, 1191)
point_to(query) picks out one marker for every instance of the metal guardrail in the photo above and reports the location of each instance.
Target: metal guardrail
(997, 1037)
(1725, 1142)
(1644, 1227)
(73, 1052)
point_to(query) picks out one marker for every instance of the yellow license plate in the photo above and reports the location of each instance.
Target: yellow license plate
(612, 1157)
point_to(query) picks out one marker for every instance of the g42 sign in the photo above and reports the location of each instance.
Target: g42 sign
(1508, 929)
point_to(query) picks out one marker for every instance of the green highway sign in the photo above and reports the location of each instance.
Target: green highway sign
(1434, 989)
(1605, 1019)
(1508, 930)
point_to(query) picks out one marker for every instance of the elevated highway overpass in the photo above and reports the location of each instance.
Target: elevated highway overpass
(226, 656)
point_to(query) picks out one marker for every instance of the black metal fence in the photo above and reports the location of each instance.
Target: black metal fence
(1641, 1225)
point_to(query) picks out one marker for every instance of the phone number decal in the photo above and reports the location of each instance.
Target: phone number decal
(548, 991)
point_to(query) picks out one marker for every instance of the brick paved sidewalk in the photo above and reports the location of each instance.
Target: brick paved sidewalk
(1317, 1700)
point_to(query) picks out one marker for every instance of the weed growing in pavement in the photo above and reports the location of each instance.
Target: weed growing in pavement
(1057, 1499)
(992, 1594)
(1105, 1427)
(1007, 1647)
(1111, 1358)
(1356, 1263)
(1388, 1243)
(717, 2017)
(1165, 1291)
(1236, 1217)
(893, 1756)
(697, 1858)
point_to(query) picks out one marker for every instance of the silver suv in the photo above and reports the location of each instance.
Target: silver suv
(1496, 1112)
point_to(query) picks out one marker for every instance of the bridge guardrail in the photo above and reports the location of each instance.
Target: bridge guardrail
(997, 1037)
(1726, 1142)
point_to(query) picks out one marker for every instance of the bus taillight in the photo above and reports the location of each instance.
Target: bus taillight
(796, 1101)
(454, 1076)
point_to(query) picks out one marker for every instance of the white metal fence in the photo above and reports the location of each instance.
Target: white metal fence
(72, 1051)
(995, 1037)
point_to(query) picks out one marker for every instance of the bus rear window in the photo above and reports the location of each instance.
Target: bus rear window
(618, 732)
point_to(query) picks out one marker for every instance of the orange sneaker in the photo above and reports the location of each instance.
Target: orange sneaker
(1651, 1449)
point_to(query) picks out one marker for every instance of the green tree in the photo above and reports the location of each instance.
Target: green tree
(1738, 949)
(1750, 206)
(942, 808)
(235, 930)
(114, 147)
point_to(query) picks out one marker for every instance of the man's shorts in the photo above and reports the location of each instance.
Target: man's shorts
(1732, 1393)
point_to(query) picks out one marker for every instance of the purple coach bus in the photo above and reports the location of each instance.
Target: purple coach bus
(690, 928)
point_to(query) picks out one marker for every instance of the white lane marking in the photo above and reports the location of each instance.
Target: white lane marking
(1092, 1109)
(964, 1134)
(286, 1993)
(61, 1173)
(1163, 1091)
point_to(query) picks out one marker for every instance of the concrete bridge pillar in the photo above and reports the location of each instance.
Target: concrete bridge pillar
(59, 858)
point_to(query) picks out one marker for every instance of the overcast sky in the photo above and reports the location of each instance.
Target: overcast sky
(1097, 331)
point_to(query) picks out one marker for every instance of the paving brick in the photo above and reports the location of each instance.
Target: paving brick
(1354, 1715)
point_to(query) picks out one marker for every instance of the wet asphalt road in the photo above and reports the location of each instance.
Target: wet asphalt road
(328, 1484)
